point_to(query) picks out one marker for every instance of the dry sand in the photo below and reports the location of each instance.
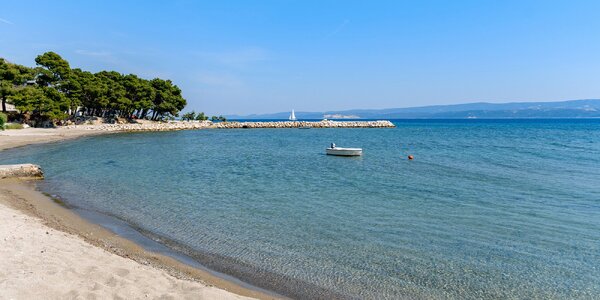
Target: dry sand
(39, 262)
(21, 137)
(49, 252)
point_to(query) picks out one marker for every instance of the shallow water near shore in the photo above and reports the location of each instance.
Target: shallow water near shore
(488, 208)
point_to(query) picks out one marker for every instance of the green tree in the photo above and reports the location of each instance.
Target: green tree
(86, 91)
(54, 69)
(53, 78)
(54, 107)
(201, 116)
(219, 118)
(6, 89)
(12, 76)
(60, 92)
(168, 100)
(42, 103)
(27, 99)
(189, 116)
(141, 94)
(114, 92)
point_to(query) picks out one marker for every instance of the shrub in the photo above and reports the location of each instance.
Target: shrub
(13, 126)
(219, 118)
(201, 116)
(189, 116)
(3, 119)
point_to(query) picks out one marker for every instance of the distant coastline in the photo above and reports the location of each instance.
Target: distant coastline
(588, 108)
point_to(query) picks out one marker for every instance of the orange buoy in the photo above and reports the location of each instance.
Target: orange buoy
(410, 157)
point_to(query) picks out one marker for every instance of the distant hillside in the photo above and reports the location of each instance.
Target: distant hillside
(564, 109)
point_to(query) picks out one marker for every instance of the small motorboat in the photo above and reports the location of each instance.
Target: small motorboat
(339, 151)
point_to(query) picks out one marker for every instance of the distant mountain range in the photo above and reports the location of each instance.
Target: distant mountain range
(589, 108)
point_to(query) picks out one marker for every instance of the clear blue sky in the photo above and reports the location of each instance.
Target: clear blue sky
(267, 56)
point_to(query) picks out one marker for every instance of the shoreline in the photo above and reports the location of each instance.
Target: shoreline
(22, 137)
(177, 261)
(22, 196)
(16, 138)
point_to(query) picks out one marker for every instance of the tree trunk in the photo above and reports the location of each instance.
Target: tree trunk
(4, 104)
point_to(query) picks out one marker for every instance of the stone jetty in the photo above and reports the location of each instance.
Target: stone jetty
(145, 126)
(25, 171)
(190, 125)
(307, 124)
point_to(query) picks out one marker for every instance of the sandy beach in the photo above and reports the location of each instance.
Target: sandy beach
(50, 252)
(22, 137)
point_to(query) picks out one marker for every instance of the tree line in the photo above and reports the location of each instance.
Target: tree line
(52, 91)
(191, 116)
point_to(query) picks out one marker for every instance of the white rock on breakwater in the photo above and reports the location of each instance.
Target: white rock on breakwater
(185, 125)
(21, 171)
(310, 124)
(145, 126)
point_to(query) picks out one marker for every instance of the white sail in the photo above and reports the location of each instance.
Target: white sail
(292, 116)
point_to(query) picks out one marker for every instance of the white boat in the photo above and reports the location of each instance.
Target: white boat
(292, 116)
(344, 151)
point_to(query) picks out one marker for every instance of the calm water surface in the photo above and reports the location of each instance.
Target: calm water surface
(488, 209)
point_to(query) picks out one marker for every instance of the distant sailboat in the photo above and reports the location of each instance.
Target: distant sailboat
(292, 116)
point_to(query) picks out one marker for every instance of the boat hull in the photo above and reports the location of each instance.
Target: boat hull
(344, 151)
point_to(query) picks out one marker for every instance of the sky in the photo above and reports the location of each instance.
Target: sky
(244, 57)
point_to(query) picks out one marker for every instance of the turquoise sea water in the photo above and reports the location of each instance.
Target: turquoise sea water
(488, 209)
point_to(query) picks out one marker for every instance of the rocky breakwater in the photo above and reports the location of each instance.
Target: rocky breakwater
(307, 124)
(145, 126)
(187, 125)
(23, 171)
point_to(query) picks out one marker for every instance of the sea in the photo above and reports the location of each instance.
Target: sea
(487, 209)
